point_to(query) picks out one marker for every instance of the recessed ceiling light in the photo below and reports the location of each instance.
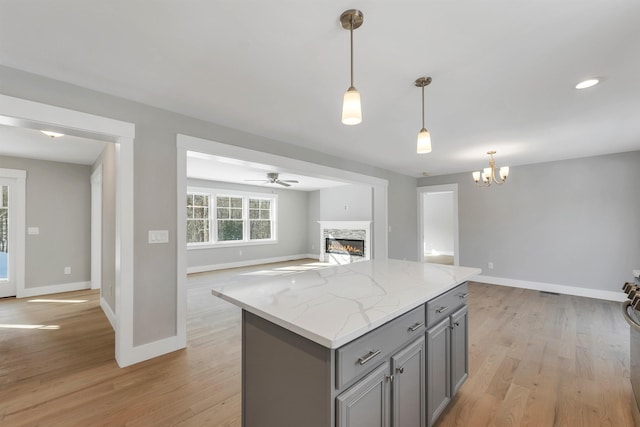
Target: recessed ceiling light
(587, 83)
(52, 134)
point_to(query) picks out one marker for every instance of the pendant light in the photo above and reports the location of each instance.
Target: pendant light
(424, 138)
(488, 175)
(351, 110)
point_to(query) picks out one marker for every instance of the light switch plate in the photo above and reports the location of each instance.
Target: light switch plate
(158, 236)
(32, 231)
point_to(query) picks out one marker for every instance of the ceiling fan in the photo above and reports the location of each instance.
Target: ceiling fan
(272, 178)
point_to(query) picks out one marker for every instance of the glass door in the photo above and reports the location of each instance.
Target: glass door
(7, 285)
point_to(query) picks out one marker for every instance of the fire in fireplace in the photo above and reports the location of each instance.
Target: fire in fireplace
(344, 246)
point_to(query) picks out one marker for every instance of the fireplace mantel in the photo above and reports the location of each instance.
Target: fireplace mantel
(345, 229)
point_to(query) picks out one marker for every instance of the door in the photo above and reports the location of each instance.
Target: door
(366, 403)
(459, 349)
(7, 236)
(408, 388)
(438, 224)
(438, 369)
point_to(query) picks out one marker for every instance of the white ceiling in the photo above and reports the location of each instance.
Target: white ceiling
(503, 71)
(32, 144)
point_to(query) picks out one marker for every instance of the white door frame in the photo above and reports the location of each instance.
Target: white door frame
(20, 112)
(96, 228)
(17, 229)
(422, 193)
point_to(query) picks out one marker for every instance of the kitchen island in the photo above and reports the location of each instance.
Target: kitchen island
(351, 345)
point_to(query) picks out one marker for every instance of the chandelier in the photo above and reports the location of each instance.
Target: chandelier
(488, 175)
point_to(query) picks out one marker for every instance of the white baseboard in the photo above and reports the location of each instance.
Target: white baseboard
(150, 350)
(111, 317)
(247, 263)
(53, 289)
(550, 287)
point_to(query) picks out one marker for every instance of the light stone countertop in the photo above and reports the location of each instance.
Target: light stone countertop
(335, 305)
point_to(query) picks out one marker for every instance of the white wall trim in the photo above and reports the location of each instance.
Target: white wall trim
(18, 111)
(550, 287)
(153, 349)
(247, 263)
(422, 191)
(181, 246)
(96, 228)
(54, 289)
(111, 317)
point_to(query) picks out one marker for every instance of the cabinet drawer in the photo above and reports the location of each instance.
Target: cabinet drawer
(363, 354)
(444, 305)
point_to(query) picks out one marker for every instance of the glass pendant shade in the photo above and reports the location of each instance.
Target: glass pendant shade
(351, 110)
(504, 172)
(424, 141)
(476, 176)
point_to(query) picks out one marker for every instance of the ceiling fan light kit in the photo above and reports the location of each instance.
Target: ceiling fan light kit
(274, 178)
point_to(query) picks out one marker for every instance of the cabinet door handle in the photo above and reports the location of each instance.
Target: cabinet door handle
(368, 357)
(400, 370)
(442, 309)
(463, 295)
(389, 378)
(416, 327)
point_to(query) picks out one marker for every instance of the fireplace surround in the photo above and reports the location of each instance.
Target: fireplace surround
(354, 238)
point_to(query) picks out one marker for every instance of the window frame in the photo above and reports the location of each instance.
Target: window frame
(213, 194)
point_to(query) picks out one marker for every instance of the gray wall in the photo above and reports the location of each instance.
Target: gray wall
(403, 218)
(292, 228)
(155, 268)
(108, 161)
(313, 228)
(346, 203)
(58, 201)
(573, 222)
(438, 222)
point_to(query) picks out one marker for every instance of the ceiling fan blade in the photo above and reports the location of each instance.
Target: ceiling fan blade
(290, 180)
(283, 183)
(255, 180)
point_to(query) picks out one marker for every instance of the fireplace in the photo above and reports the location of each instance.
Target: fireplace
(344, 246)
(344, 242)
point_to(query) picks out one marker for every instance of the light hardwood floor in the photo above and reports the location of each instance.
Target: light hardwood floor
(535, 360)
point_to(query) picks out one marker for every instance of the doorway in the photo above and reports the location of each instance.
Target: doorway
(438, 224)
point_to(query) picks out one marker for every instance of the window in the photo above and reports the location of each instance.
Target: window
(220, 217)
(198, 223)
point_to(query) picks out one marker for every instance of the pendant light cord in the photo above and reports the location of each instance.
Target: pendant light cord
(351, 37)
(422, 107)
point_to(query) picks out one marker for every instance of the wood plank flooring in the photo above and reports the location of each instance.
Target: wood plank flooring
(535, 360)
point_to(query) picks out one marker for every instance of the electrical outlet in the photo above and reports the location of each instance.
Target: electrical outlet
(67, 270)
(490, 265)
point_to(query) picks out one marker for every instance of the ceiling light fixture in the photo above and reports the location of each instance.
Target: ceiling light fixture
(52, 134)
(424, 138)
(587, 83)
(489, 174)
(351, 109)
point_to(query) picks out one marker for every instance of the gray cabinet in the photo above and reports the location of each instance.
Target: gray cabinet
(366, 403)
(459, 348)
(392, 395)
(438, 369)
(408, 397)
(447, 349)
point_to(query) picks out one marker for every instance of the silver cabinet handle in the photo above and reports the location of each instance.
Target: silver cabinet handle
(442, 310)
(416, 327)
(400, 370)
(462, 296)
(368, 357)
